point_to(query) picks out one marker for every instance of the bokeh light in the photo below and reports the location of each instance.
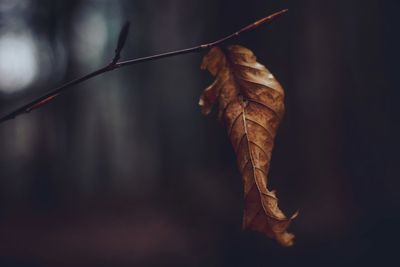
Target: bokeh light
(18, 61)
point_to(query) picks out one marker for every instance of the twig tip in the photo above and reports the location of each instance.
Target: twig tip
(123, 34)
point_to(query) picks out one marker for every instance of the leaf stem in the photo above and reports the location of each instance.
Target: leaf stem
(52, 94)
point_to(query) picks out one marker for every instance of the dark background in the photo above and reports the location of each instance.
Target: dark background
(125, 171)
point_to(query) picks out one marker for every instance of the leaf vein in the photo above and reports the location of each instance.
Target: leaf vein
(262, 126)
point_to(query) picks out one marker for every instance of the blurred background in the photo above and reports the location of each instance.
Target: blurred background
(124, 170)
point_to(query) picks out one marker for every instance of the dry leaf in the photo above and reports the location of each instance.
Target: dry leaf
(251, 107)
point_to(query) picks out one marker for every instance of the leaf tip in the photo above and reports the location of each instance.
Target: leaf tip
(286, 239)
(295, 215)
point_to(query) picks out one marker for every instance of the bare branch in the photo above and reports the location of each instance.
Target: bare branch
(50, 96)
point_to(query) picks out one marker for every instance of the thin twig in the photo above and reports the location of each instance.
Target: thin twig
(44, 99)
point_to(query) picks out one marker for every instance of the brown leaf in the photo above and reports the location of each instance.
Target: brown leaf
(251, 107)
